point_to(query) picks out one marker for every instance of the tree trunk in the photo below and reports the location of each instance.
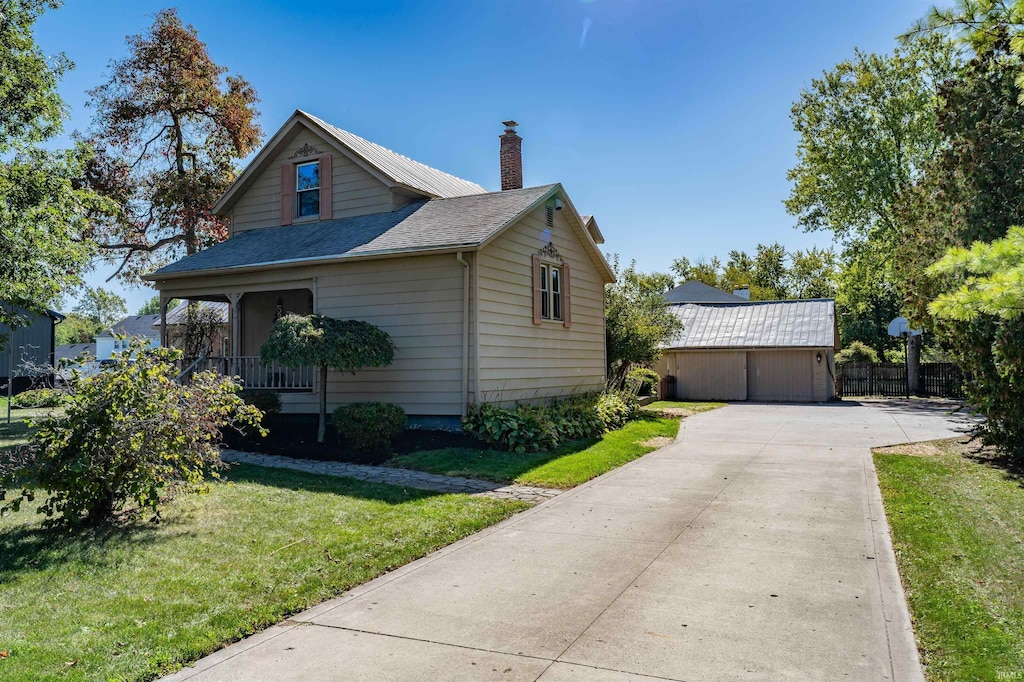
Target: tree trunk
(914, 364)
(321, 433)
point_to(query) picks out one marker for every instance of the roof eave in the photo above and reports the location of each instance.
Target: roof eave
(312, 260)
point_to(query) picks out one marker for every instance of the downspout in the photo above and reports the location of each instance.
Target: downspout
(465, 331)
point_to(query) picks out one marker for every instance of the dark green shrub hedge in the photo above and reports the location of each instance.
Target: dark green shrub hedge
(370, 426)
(267, 402)
(39, 397)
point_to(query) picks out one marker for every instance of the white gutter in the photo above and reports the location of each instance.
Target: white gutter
(465, 331)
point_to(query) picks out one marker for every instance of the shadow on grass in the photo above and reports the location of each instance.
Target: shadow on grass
(30, 546)
(974, 450)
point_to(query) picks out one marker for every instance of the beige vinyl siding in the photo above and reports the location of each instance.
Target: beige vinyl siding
(824, 375)
(518, 359)
(355, 191)
(417, 300)
(780, 375)
(709, 375)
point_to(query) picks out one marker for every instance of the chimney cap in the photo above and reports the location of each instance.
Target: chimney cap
(510, 126)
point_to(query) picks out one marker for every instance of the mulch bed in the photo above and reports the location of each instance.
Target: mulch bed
(295, 436)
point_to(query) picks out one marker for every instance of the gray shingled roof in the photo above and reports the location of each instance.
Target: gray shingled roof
(70, 351)
(435, 224)
(695, 291)
(760, 324)
(134, 325)
(402, 169)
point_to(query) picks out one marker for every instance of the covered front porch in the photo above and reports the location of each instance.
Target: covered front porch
(251, 314)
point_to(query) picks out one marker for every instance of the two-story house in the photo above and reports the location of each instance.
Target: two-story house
(489, 296)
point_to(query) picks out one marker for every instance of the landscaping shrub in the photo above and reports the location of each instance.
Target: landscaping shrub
(857, 351)
(647, 378)
(615, 408)
(39, 397)
(523, 428)
(370, 426)
(130, 434)
(534, 428)
(267, 402)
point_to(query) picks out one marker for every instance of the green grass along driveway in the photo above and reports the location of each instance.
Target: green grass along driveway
(138, 601)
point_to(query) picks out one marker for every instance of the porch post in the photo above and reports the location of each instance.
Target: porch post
(164, 300)
(236, 328)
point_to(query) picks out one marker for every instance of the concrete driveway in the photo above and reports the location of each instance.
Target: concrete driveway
(755, 547)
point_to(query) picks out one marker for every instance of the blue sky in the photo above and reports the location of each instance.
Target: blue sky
(667, 119)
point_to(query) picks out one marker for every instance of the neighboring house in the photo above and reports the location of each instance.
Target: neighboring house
(79, 356)
(754, 350)
(489, 296)
(219, 345)
(28, 351)
(131, 327)
(695, 291)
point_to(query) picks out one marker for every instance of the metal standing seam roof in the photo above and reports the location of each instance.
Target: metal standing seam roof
(760, 324)
(402, 169)
(422, 226)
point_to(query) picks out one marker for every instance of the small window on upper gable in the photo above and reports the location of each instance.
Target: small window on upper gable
(307, 188)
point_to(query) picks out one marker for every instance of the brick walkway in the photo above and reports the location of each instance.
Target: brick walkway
(399, 477)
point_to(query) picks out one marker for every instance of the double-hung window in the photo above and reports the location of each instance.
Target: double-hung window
(551, 292)
(307, 188)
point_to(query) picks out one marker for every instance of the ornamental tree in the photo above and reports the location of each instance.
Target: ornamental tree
(327, 343)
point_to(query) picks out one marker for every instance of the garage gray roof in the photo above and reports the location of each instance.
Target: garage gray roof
(400, 168)
(423, 226)
(807, 323)
(695, 291)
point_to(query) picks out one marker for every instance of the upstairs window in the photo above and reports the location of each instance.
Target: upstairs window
(550, 292)
(551, 298)
(307, 188)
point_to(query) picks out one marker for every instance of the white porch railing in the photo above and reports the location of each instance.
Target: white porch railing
(257, 375)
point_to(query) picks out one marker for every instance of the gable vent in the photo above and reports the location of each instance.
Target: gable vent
(550, 215)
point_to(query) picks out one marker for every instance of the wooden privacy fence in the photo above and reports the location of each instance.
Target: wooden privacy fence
(888, 380)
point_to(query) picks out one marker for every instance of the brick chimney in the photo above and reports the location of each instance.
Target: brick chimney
(511, 157)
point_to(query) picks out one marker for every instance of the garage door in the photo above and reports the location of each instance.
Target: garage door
(710, 375)
(780, 375)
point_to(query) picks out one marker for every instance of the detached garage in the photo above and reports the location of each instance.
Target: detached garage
(758, 350)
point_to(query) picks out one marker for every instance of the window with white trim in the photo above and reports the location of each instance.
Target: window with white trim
(307, 188)
(550, 292)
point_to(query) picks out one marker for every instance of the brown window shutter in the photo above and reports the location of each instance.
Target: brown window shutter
(536, 290)
(287, 193)
(566, 297)
(326, 189)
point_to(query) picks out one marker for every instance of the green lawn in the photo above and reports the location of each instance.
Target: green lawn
(565, 467)
(137, 601)
(958, 530)
(692, 408)
(18, 431)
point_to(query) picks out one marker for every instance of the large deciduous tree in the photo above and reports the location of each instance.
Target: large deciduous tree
(868, 132)
(43, 207)
(169, 125)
